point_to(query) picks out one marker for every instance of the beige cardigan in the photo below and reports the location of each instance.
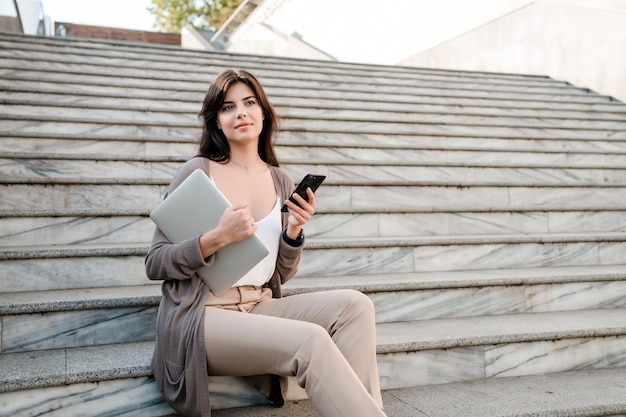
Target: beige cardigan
(179, 363)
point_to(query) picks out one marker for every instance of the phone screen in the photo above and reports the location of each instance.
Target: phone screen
(309, 181)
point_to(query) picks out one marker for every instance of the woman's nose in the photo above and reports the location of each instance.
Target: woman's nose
(241, 111)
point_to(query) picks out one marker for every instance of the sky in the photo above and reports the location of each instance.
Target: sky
(126, 14)
(381, 28)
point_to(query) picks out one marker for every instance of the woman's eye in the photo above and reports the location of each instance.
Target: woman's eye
(251, 102)
(226, 108)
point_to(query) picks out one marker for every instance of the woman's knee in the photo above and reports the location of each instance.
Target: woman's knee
(359, 302)
(315, 343)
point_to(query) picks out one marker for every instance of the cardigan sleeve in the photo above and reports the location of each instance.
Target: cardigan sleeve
(288, 256)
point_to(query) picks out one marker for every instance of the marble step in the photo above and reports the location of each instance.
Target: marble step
(85, 266)
(93, 127)
(122, 194)
(379, 78)
(202, 62)
(15, 92)
(174, 88)
(142, 78)
(45, 113)
(470, 348)
(333, 160)
(71, 146)
(341, 148)
(24, 228)
(31, 168)
(102, 92)
(41, 320)
(577, 393)
(410, 354)
(331, 257)
(148, 68)
(446, 155)
(144, 116)
(26, 46)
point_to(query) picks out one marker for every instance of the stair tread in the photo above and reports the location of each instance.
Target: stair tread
(87, 364)
(599, 392)
(78, 299)
(509, 328)
(203, 60)
(54, 367)
(19, 252)
(55, 95)
(149, 294)
(99, 47)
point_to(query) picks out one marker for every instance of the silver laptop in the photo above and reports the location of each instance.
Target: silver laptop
(192, 209)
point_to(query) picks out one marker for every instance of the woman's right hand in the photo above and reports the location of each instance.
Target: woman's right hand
(235, 224)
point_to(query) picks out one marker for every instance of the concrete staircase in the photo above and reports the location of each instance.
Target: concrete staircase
(484, 214)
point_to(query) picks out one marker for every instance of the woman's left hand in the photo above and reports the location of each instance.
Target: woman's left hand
(298, 216)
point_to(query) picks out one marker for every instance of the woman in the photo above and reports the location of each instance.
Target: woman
(326, 340)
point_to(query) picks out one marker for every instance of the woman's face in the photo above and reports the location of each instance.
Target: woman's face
(241, 116)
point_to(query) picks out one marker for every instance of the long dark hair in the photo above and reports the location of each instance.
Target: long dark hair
(213, 143)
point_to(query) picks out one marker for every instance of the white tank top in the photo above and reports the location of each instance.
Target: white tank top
(269, 232)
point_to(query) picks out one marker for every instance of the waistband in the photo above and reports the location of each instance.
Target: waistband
(242, 298)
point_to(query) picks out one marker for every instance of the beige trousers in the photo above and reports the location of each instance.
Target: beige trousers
(327, 340)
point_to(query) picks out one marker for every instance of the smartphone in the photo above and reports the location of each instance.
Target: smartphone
(309, 181)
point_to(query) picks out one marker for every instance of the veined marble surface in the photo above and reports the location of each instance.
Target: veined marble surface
(397, 370)
(68, 230)
(423, 106)
(130, 397)
(81, 272)
(345, 261)
(125, 397)
(555, 356)
(80, 196)
(122, 116)
(409, 198)
(450, 130)
(72, 169)
(445, 118)
(459, 257)
(387, 154)
(34, 231)
(450, 142)
(94, 96)
(343, 174)
(86, 327)
(575, 296)
(407, 369)
(66, 329)
(313, 84)
(495, 300)
(183, 150)
(466, 176)
(64, 273)
(96, 130)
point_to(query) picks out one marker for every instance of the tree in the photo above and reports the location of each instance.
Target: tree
(173, 15)
(220, 11)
